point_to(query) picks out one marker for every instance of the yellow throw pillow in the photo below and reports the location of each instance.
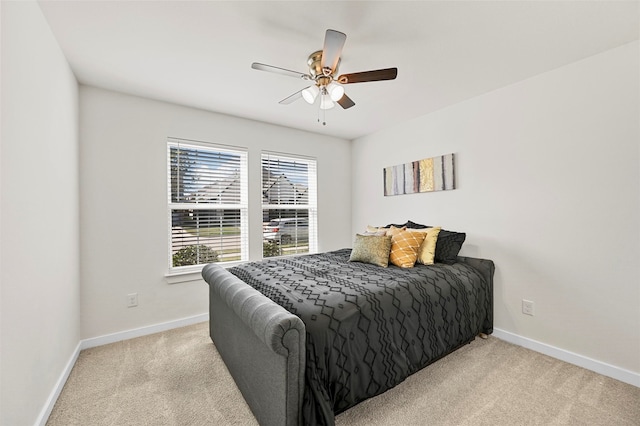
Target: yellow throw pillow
(405, 244)
(427, 252)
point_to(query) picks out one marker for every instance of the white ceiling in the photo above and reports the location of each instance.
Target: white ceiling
(199, 53)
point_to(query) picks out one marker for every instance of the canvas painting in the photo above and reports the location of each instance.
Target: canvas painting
(427, 175)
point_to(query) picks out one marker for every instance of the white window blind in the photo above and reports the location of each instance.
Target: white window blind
(289, 205)
(207, 204)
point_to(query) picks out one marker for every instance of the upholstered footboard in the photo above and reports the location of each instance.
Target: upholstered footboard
(262, 344)
(487, 269)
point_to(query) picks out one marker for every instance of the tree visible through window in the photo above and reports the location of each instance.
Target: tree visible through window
(207, 203)
(289, 206)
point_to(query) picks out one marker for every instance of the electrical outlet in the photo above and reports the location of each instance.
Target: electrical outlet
(132, 300)
(527, 307)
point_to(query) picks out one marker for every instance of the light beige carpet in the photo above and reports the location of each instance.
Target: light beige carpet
(177, 378)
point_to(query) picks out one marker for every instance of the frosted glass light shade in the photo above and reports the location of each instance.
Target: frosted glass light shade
(310, 94)
(326, 102)
(336, 91)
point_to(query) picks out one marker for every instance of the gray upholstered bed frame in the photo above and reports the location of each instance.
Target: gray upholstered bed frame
(263, 345)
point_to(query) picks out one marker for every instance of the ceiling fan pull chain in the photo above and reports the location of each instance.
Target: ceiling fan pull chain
(324, 122)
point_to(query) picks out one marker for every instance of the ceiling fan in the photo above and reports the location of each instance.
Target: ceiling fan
(323, 67)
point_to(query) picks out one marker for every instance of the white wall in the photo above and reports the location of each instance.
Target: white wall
(39, 278)
(549, 189)
(123, 196)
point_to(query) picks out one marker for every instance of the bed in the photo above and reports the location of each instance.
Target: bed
(308, 337)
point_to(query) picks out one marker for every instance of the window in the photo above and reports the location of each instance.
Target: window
(207, 204)
(289, 205)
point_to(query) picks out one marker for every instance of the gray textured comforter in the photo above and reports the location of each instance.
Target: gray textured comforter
(368, 328)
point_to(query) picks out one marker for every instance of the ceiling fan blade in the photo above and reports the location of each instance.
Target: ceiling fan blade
(270, 68)
(375, 75)
(291, 98)
(333, 44)
(345, 102)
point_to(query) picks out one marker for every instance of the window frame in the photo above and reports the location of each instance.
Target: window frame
(312, 196)
(192, 272)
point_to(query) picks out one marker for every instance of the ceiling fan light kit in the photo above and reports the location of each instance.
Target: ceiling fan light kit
(323, 67)
(326, 102)
(336, 91)
(310, 94)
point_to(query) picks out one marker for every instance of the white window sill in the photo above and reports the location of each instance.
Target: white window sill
(183, 276)
(192, 274)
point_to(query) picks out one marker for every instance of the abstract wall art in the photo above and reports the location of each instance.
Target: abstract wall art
(430, 174)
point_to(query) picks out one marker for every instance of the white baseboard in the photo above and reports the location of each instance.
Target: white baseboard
(104, 340)
(142, 331)
(599, 367)
(55, 393)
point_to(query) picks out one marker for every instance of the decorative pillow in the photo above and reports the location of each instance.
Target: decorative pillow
(404, 246)
(372, 249)
(409, 225)
(427, 252)
(376, 233)
(400, 225)
(413, 225)
(375, 229)
(448, 246)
